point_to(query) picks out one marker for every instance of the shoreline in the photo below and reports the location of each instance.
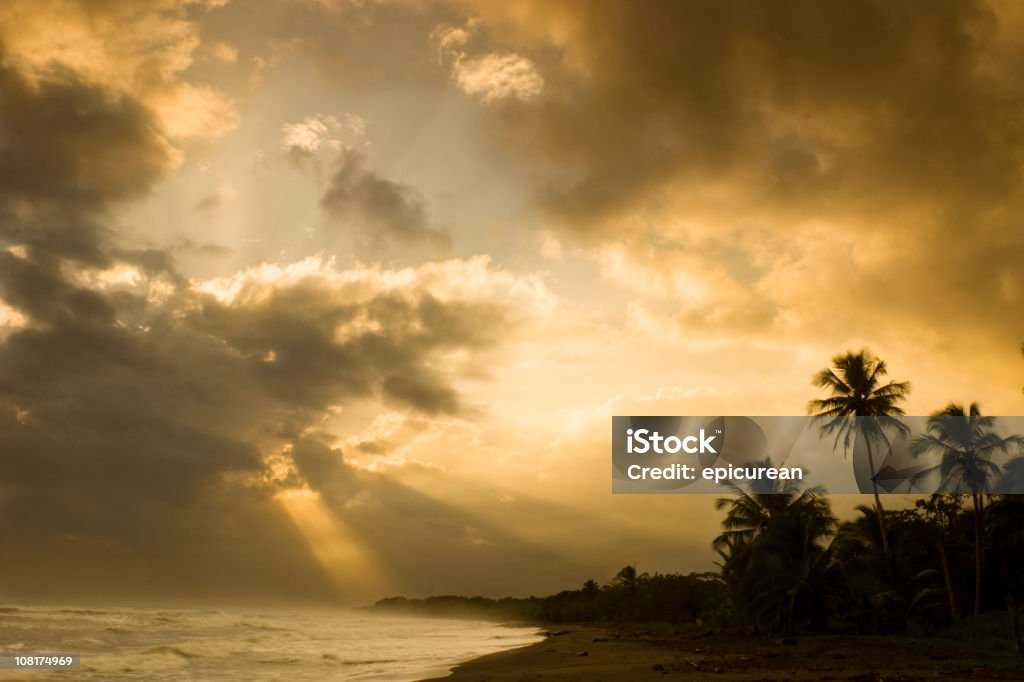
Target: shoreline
(593, 652)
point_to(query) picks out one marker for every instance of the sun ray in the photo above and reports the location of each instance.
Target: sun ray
(352, 566)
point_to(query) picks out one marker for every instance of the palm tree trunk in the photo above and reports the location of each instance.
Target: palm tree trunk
(979, 551)
(954, 609)
(1011, 608)
(878, 500)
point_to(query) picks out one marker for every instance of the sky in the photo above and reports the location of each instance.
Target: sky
(330, 300)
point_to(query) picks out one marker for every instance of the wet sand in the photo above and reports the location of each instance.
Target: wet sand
(595, 654)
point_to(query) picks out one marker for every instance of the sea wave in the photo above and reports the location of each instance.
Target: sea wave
(160, 645)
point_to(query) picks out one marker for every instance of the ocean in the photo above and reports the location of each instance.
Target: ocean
(170, 644)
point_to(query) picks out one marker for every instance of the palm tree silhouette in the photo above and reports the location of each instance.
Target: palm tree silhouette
(859, 402)
(1006, 537)
(751, 513)
(899, 587)
(940, 512)
(629, 581)
(774, 551)
(965, 442)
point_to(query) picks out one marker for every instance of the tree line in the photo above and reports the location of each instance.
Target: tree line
(787, 564)
(791, 565)
(700, 599)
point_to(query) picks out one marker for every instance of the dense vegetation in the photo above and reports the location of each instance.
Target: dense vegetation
(630, 596)
(787, 564)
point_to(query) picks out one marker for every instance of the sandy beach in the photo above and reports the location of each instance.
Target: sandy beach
(595, 654)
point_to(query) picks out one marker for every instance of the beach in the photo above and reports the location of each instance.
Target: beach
(616, 654)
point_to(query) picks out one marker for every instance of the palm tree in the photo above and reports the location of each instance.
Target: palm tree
(752, 511)
(858, 402)
(627, 578)
(1006, 556)
(940, 513)
(896, 586)
(965, 442)
(629, 581)
(774, 551)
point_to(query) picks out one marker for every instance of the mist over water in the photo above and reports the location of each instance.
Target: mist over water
(158, 644)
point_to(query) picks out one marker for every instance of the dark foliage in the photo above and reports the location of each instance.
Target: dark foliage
(788, 565)
(694, 599)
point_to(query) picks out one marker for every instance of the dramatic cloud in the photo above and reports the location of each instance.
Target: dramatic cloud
(795, 103)
(87, 393)
(137, 48)
(146, 395)
(326, 337)
(291, 396)
(72, 144)
(742, 153)
(388, 210)
(72, 150)
(141, 410)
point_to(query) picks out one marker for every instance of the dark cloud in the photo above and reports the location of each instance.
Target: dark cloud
(136, 416)
(797, 101)
(119, 418)
(321, 466)
(123, 434)
(177, 412)
(78, 144)
(388, 210)
(70, 148)
(307, 346)
(700, 126)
